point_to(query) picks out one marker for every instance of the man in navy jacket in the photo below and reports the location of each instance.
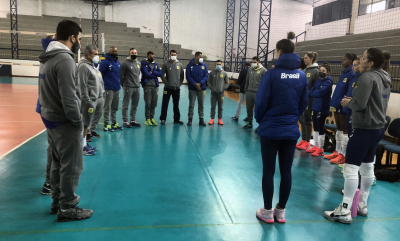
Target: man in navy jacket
(109, 69)
(197, 75)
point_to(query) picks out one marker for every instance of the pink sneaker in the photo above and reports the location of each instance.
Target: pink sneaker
(265, 215)
(279, 214)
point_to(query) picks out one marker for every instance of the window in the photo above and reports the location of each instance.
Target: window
(371, 6)
(333, 11)
(375, 7)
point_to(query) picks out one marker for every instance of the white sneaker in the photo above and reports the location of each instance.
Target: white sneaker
(362, 209)
(279, 214)
(339, 214)
(265, 215)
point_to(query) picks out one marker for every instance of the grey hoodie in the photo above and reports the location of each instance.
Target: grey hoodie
(88, 81)
(59, 92)
(218, 81)
(173, 74)
(130, 74)
(371, 94)
(101, 83)
(312, 74)
(253, 78)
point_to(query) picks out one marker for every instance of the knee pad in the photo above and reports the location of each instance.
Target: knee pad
(338, 135)
(350, 171)
(367, 170)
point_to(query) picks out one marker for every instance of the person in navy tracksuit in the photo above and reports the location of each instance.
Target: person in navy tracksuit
(342, 137)
(352, 82)
(321, 92)
(281, 98)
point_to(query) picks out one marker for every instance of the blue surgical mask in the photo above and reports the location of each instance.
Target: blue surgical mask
(219, 67)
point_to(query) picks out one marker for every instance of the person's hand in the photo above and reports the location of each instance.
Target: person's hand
(151, 72)
(345, 101)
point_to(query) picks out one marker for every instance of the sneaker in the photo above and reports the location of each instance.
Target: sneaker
(211, 122)
(127, 125)
(220, 122)
(235, 118)
(148, 122)
(178, 122)
(246, 119)
(54, 207)
(202, 123)
(374, 183)
(265, 215)
(339, 160)
(74, 214)
(108, 128)
(88, 138)
(163, 122)
(91, 147)
(46, 189)
(362, 209)
(331, 156)
(248, 126)
(318, 152)
(88, 152)
(94, 134)
(117, 127)
(189, 122)
(300, 143)
(153, 122)
(279, 214)
(305, 145)
(255, 131)
(339, 214)
(340, 165)
(311, 150)
(135, 124)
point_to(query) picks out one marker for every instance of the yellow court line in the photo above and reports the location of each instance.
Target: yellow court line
(184, 226)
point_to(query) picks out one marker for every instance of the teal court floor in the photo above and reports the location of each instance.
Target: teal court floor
(177, 182)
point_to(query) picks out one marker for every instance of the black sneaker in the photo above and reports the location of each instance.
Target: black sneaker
(88, 138)
(189, 122)
(46, 189)
(246, 119)
(94, 134)
(73, 214)
(163, 122)
(248, 126)
(133, 123)
(235, 118)
(202, 123)
(178, 122)
(54, 208)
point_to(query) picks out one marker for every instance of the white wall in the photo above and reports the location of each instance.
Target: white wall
(328, 30)
(378, 21)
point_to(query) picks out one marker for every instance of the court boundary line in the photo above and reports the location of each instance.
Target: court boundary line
(15, 148)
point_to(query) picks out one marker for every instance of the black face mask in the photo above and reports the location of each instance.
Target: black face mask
(114, 55)
(322, 75)
(150, 60)
(133, 56)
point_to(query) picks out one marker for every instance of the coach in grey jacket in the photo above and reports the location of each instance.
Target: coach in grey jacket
(172, 77)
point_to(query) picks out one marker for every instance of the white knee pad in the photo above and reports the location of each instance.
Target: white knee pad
(344, 138)
(367, 170)
(350, 171)
(338, 135)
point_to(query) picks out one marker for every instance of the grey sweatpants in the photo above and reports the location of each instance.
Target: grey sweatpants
(131, 95)
(67, 165)
(306, 122)
(150, 101)
(49, 160)
(242, 98)
(111, 102)
(217, 97)
(200, 95)
(250, 102)
(97, 114)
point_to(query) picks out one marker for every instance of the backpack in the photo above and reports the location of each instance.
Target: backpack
(330, 142)
(387, 175)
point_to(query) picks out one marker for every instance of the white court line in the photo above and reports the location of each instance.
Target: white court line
(21, 144)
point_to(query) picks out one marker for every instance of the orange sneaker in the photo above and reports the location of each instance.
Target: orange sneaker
(220, 122)
(305, 145)
(339, 160)
(332, 156)
(314, 148)
(211, 122)
(318, 152)
(300, 143)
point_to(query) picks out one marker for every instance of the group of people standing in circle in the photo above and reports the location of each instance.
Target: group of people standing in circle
(290, 92)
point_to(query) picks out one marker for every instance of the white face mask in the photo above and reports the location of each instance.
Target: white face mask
(96, 59)
(201, 60)
(254, 65)
(173, 58)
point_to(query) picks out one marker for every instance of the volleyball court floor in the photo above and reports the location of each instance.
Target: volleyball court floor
(172, 182)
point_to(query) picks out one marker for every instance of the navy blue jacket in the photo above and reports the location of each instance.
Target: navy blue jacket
(341, 87)
(196, 73)
(281, 98)
(321, 92)
(349, 93)
(242, 79)
(109, 69)
(145, 68)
